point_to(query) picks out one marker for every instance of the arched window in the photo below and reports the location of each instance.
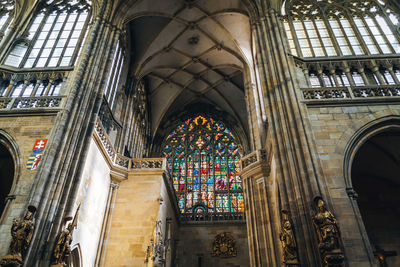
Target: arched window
(54, 36)
(6, 15)
(365, 27)
(203, 159)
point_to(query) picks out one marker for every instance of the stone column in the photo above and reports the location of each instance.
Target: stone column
(105, 230)
(261, 210)
(56, 183)
(297, 168)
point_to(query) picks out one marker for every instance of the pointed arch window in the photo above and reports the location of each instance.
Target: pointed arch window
(55, 36)
(203, 160)
(341, 28)
(6, 15)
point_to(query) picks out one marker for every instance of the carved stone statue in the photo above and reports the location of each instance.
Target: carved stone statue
(288, 241)
(224, 246)
(62, 249)
(21, 232)
(63, 246)
(328, 234)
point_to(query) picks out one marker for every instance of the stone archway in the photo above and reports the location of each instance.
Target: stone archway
(7, 171)
(375, 177)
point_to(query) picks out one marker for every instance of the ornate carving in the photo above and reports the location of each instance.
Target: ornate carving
(288, 241)
(122, 161)
(156, 250)
(38, 102)
(224, 246)
(147, 164)
(328, 232)
(256, 156)
(21, 232)
(326, 93)
(62, 250)
(101, 133)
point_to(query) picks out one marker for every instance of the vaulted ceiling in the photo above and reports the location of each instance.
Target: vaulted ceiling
(190, 53)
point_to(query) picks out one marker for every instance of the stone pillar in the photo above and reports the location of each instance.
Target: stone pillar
(297, 167)
(261, 198)
(105, 230)
(56, 183)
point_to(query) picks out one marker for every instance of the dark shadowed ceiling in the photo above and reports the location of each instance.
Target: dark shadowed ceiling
(191, 53)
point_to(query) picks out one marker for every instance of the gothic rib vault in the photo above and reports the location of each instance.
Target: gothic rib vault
(273, 117)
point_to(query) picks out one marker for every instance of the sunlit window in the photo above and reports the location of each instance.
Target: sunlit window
(358, 27)
(6, 16)
(203, 159)
(54, 37)
(114, 75)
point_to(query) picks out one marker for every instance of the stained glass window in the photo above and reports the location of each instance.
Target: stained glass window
(203, 160)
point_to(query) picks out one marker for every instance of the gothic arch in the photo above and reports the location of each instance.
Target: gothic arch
(359, 137)
(9, 148)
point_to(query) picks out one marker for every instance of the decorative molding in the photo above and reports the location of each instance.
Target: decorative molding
(255, 164)
(148, 163)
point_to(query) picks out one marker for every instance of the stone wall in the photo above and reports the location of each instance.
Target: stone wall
(23, 131)
(333, 131)
(195, 241)
(142, 200)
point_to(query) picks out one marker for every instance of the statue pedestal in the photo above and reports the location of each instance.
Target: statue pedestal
(11, 261)
(333, 259)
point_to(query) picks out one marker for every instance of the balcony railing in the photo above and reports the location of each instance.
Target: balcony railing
(25, 103)
(351, 94)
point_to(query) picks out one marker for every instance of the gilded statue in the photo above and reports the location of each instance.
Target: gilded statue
(288, 241)
(21, 233)
(224, 246)
(62, 249)
(328, 234)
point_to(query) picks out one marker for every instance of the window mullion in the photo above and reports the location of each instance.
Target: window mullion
(82, 35)
(295, 37)
(383, 34)
(371, 35)
(68, 40)
(308, 38)
(34, 39)
(345, 35)
(358, 35)
(47, 39)
(332, 36)
(319, 37)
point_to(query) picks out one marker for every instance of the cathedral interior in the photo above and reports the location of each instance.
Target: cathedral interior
(195, 133)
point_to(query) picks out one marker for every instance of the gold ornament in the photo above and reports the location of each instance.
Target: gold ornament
(224, 246)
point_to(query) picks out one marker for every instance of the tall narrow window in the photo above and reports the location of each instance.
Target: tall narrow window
(341, 27)
(54, 36)
(114, 75)
(203, 159)
(6, 15)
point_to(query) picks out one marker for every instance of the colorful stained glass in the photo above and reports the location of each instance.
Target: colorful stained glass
(203, 159)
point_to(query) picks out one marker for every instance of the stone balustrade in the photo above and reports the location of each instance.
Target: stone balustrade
(378, 92)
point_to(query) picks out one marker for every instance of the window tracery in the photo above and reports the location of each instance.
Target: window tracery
(6, 15)
(54, 37)
(364, 27)
(203, 159)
